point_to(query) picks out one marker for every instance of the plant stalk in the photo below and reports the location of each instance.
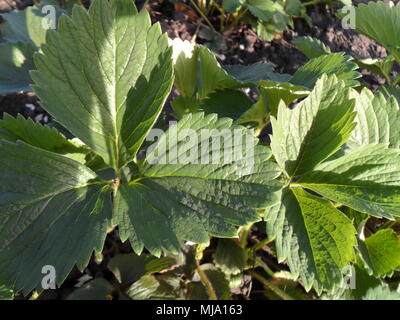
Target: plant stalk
(206, 282)
(201, 13)
(278, 291)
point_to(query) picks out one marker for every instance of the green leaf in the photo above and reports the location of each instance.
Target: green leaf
(183, 105)
(97, 289)
(198, 73)
(264, 9)
(366, 287)
(382, 292)
(162, 287)
(160, 265)
(285, 91)
(311, 47)
(381, 252)
(247, 76)
(367, 180)
(257, 113)
(267, 30)
(15, 62)
(294, 7)
(314, 237)
(380, 22)
(51, 214)
(230, 257)
(382, 67)
(335, 63)
(191, 189)
(144, 288)
(226, 103)
(377, 120)
(232, 5)
(6, 293)
(35, 134)
(112, 101)
(315, 129)
(128, 268)
(388, 91)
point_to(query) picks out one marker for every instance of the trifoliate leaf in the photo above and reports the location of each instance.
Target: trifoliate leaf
(367, 180)
(311, 47)
(16, 59)
(381, 252)
(335, 63)
(314, 237)
(52, 214)
(315, 129)
(378, 120)
(202, 178)
(112, 101)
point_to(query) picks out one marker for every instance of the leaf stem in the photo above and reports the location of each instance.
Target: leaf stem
(261, 244)
(312, 2)
(295, 185)
(275, 289)
(201, 13)
(206, 282)
(244, 235)
(264, 266)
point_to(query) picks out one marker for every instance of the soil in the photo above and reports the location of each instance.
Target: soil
(242, 46)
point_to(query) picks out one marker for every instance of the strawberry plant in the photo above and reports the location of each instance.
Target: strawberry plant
(58, 204)
(187, 204)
